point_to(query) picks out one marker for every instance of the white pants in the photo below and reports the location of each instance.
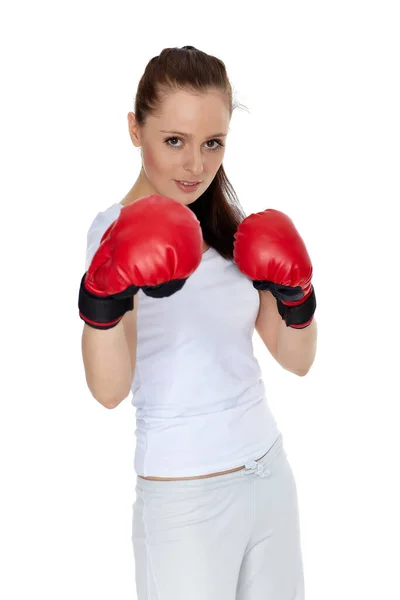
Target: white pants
(229, 537)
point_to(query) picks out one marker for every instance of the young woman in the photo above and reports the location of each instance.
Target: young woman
(177, 280)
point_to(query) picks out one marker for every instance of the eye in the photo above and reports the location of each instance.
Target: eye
(170, 139)
(219, 145)
(214, 149)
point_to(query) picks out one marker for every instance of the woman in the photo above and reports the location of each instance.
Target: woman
(216, 513)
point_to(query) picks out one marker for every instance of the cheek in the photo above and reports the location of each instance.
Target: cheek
(150, 160)
(218, 159)
(214, 164)
(158, 163)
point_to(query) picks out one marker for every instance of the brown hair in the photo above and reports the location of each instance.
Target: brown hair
(188, 68)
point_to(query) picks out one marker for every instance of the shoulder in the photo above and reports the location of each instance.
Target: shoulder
(108, 215)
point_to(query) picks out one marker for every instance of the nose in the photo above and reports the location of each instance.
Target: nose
(194, 162)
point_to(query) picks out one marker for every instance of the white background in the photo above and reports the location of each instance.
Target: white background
(320, 141)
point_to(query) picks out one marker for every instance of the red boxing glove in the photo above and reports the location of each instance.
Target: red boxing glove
(269, 250)
(155, 244)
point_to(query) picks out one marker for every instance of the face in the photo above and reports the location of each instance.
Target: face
(171, 157)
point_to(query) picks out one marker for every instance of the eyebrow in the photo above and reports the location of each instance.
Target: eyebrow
(190, 135)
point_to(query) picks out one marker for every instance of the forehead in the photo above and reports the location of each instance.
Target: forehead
(189, 111)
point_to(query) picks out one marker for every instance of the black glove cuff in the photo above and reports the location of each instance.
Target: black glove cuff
(102, 312)
(300, 314)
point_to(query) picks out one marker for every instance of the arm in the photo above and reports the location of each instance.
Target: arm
(109, 359)
(109, 356)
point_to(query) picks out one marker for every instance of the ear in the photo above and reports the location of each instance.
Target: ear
(134, 130)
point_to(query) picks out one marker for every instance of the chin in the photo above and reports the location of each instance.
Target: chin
(184, 201)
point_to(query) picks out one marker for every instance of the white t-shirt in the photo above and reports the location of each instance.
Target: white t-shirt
(200, 400)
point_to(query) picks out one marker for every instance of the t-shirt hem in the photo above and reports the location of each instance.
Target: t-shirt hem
(216, 468)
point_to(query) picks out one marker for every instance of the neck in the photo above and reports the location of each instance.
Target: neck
(141, 188)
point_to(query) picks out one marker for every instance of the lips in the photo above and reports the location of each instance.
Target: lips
(188, 189)
(186, 181)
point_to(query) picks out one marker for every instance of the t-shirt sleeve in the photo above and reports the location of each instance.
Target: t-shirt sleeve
(99, 226)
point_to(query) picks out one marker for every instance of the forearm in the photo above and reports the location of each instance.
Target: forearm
(107, 362)
(296, 348)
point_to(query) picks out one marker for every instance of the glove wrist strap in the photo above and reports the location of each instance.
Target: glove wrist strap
(299, 315)
(102, 312)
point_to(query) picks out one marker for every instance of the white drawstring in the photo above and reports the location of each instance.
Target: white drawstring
(257, 468)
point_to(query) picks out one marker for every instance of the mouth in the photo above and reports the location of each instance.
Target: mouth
(187, 186)
(192, 182)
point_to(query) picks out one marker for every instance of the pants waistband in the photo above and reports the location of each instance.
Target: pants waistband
(257, 467)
